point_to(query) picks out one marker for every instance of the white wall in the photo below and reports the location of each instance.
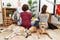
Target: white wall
(13, 2)
(57, 1)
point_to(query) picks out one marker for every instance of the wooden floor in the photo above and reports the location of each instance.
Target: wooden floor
(55, 34)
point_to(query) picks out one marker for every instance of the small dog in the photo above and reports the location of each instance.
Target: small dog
(42, 27)
(40, 30)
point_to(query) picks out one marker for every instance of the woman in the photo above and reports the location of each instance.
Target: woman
(44, 16)
(26, 17)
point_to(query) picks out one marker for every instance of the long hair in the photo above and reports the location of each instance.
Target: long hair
(44, 8)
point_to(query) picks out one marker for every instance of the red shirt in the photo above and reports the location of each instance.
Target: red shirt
(58, 9)
(26, 19)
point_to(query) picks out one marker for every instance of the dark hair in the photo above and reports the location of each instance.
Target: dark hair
(44, 8)
(25, 7)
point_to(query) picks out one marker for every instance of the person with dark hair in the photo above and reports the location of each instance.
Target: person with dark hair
(44, 8)
(26, 17)
(25, 7)
(44, 16)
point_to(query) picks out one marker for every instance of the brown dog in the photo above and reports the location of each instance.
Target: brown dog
(40, 30)
(32, 30)
(42, 27)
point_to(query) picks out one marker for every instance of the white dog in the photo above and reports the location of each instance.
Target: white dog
(17, 30)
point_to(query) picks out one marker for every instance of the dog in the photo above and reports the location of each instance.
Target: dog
(18, 30)
(40, 30)
(42, 27)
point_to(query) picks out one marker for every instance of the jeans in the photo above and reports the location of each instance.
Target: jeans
(32, 23)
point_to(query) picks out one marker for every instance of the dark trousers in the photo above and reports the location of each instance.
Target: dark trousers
(51, 26)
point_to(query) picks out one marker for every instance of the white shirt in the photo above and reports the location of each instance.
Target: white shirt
(44, 18)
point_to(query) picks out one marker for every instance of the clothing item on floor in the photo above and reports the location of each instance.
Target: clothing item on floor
(51, 26)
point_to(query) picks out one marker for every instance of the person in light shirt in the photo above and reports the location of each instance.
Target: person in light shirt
(16, 16)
